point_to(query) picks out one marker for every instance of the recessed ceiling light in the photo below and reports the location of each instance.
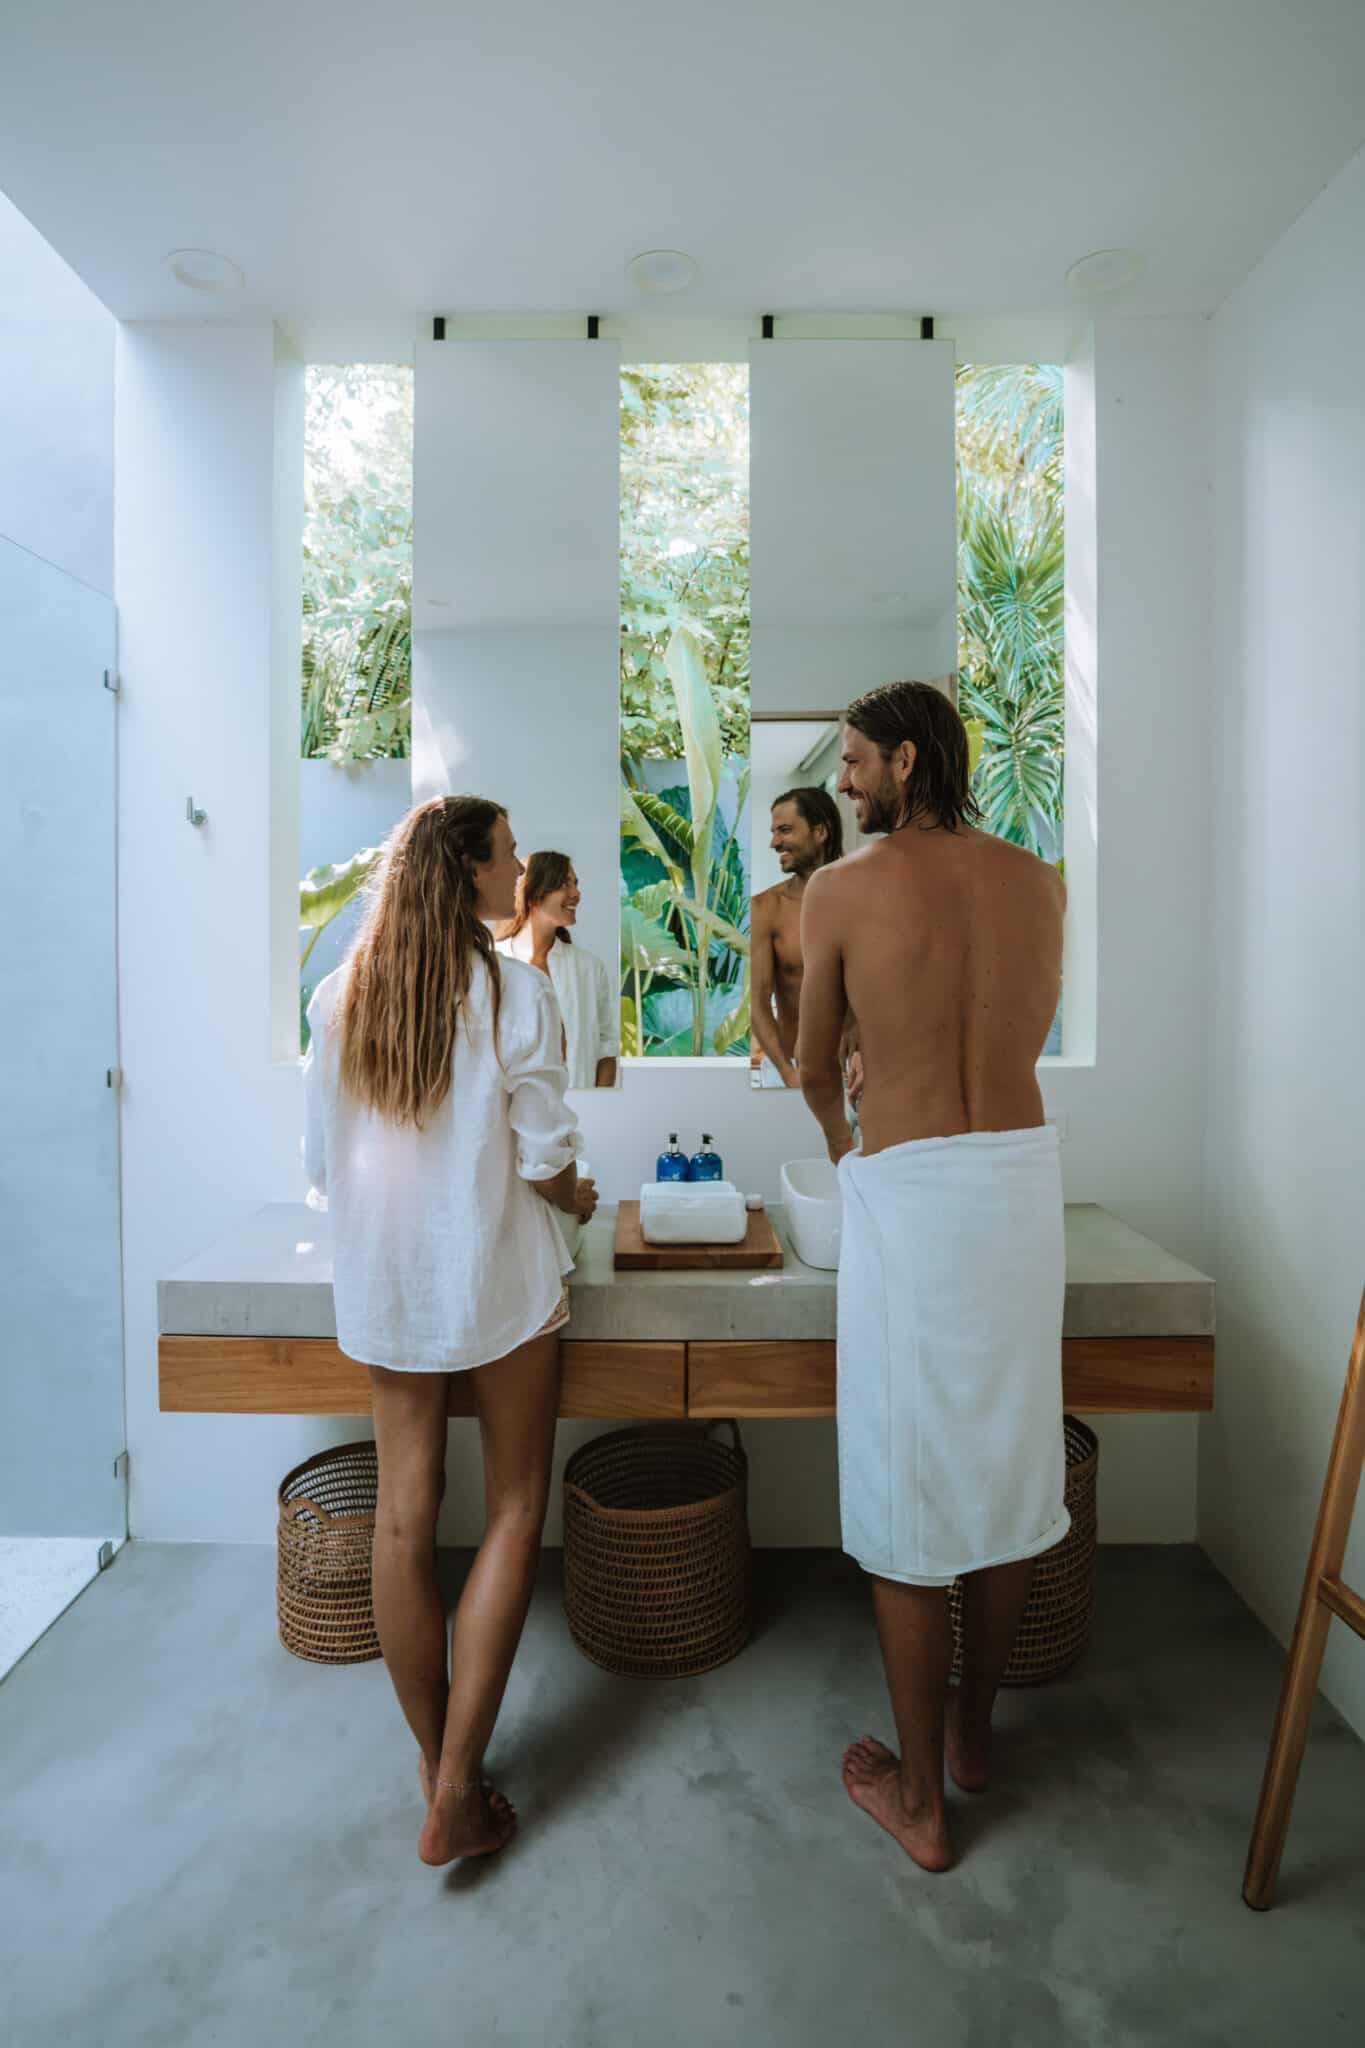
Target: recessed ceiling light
(661, 270)
(204, 271)
(1107, 270)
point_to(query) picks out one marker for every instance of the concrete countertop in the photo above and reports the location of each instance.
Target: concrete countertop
(271, 1276)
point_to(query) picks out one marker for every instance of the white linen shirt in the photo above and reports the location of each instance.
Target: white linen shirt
(443, 1255)
(587, 1002)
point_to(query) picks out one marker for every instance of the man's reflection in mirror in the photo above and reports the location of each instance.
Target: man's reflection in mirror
(807, 833)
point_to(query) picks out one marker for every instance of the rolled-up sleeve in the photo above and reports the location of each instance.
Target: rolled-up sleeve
(608, 1014)
(314, 1119)
(535, 1076)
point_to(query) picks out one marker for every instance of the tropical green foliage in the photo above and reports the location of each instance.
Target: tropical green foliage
(357, 564)
(1010, 594)
(684, 548)
(326, 891)
(685, 698)
(685, 890)
(323, 894)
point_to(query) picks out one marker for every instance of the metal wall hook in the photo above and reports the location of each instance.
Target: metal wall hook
(195, 817)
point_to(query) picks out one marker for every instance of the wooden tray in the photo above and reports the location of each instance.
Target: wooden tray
(759, 1247)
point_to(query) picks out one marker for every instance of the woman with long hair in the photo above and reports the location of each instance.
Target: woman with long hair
(548, 897)
(437, 1129)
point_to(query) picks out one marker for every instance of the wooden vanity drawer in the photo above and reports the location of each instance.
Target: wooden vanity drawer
(624, 1380)
(1100, 1376)
(313, 1376)
(791, 1378)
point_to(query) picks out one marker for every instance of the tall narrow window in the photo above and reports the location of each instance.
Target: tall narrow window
(685, 709)
(356, 705)
(1010, 600)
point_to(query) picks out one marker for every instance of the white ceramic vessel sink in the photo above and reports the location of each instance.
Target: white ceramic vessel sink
(815, 1210)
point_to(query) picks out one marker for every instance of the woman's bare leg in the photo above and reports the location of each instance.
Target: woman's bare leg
(410, 1433)
(518, 1401)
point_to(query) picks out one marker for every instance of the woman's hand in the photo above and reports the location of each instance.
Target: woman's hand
(853, 1078)
(585, 1200)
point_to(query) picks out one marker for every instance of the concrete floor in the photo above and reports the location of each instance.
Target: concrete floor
(206, 1841)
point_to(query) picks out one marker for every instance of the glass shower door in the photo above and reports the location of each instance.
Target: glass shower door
(61, 1334)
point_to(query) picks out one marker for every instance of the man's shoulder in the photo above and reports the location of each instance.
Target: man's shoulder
(847, 874)
(1026, 868)
(768, 902)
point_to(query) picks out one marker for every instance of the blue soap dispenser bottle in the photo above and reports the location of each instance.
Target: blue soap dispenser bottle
(706, 1162)
(672, 1164)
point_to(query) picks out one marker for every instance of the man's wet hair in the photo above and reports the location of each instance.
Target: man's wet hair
(818, 807)
(940, 785)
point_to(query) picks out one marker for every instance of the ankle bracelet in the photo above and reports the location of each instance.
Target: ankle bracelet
(459, 1784)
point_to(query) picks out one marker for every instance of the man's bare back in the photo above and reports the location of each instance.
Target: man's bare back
(947, 947)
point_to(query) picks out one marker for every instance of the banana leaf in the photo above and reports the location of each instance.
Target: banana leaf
(635, 824)
(702, 747)
(630, 1029)
(668, 1019)
(654, 900)
(325, 892)
(647, 947)
(715, 926)
(728, 1036)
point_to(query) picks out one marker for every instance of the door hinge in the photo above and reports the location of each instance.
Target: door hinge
(112, 681)
(121, 1465)
(113, 1077)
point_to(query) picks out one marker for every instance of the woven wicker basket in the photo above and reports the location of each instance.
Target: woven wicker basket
(1061, 1601)
(326, 1543)
(657, 1577)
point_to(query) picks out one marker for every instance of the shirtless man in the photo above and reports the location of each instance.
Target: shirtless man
(946, 944)
(807, 833)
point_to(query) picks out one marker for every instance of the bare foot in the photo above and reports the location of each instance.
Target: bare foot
(968, 1753)
(872, 1780)
(477, 1822)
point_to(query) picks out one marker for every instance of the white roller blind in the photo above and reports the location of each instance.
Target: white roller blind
(852, 494)
(516, 596)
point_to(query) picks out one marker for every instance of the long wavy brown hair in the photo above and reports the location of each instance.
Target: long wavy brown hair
(541, 876)
(409, 971)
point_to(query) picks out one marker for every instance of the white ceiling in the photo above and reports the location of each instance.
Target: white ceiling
(384, 161)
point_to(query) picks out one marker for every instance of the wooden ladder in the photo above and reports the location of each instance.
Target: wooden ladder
(1323, 1596)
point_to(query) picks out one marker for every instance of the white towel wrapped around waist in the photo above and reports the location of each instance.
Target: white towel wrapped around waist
(952, 1274)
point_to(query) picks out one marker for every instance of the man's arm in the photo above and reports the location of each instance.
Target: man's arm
(824, 1007)
(762, 1022)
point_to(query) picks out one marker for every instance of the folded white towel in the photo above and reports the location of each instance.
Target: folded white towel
(692, 1212)
(952, 1274)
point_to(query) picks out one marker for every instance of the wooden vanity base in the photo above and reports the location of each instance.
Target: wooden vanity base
(627, 1380)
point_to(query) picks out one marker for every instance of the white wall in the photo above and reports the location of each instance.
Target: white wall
(210, 1123)
(516, 596)
(56, 408)
(1286, 1122)
(194, 579)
